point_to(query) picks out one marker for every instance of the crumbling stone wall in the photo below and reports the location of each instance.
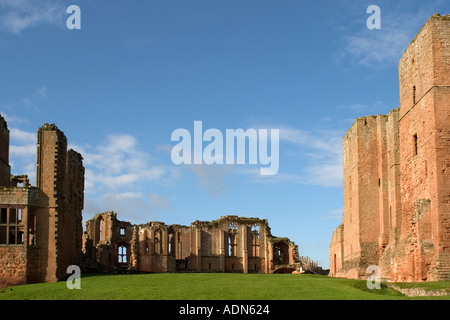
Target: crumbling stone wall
(396, 174)
(229, 244)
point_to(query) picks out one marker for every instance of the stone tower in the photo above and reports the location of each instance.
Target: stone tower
(60, 177)
(41, 227)
(424, 76)
(397, 173)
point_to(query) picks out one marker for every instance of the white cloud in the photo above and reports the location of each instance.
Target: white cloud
(130, 206)
(13, 119)
(22, 144)
(18, 15)
(321, 151)
(119, 164)
(23, 150)
(22, 136)
(334, 215)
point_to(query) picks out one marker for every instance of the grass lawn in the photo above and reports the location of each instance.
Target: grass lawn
(205, 286)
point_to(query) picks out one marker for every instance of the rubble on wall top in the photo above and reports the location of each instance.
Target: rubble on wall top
(49, 127)
(228, 219)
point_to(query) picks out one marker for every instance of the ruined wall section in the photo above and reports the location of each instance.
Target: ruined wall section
(361, 209)
(389, 237)
(371, 184)
(336, 252)
(71, 224)
(441, 40)
(229, 244)
(5, 169)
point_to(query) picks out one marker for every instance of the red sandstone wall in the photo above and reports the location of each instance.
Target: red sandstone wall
(424, 236)
(13, 265)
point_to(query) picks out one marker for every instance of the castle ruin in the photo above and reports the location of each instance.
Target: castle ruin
(41, 232)
(230, 244)
(397, 174)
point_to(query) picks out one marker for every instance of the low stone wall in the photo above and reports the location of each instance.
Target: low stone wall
(420, 292)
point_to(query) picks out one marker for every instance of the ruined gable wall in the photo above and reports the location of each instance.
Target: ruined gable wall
(5, 169)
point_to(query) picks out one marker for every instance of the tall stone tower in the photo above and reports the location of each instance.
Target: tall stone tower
(60, 177)
(424, 76)
(41, 227)
(397, 174)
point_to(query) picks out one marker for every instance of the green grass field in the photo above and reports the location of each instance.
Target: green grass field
(208, 286)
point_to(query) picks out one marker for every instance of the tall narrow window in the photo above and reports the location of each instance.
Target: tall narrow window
(232, 239)
(255, 240)
(122, 254)
(171, 249)
(414, 95)
(232, 245)
(122, 231)
(100, 229)
(158, 243)
(415, 148)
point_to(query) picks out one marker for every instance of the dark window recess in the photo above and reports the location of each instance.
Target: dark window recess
(11, 227)
(415, 150)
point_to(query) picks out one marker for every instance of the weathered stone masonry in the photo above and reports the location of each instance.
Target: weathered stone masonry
(41, 230)
(41, 227)
(230, 244)
(397, 174)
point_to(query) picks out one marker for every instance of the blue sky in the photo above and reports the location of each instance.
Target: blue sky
(138, 70)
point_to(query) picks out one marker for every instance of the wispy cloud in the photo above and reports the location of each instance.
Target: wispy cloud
(12, 119)
(377, 49)
(41, 92)
(321, 153)
(18, 15)
(118, 163)
(131, 206)
(22, 151)
(333, 215)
